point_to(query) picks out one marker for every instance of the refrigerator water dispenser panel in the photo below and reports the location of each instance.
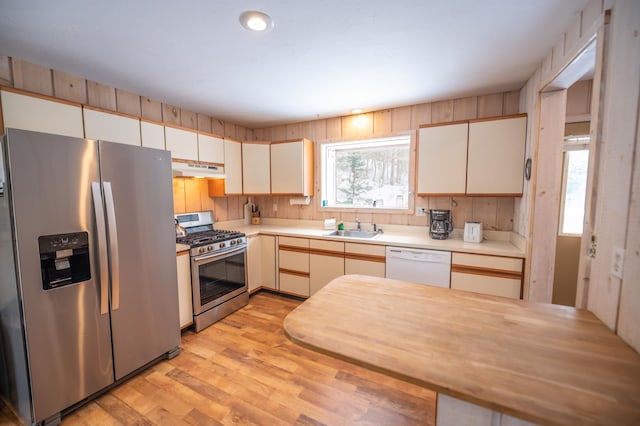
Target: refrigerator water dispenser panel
(64, 259)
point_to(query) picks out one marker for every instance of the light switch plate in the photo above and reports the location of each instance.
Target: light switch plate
(275, 207)
(421, 211)
(617, 262)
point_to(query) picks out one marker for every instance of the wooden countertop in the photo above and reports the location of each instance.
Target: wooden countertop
(543, 363)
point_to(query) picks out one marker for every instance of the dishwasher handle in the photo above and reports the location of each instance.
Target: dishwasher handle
(427, 256)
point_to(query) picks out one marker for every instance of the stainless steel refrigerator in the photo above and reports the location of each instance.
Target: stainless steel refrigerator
(88, 281)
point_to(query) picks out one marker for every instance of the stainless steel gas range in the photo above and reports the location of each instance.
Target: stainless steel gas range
(218, 268)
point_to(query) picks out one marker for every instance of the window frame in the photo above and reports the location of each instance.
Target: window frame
(571, 143)
(412, 175)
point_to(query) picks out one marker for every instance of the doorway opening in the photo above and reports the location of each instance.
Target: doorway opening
(575, 164)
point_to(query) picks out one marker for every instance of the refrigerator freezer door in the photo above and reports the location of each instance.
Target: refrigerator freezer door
(68, 340)
(145, 321)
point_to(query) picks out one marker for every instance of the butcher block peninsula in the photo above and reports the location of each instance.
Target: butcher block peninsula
(542, 363)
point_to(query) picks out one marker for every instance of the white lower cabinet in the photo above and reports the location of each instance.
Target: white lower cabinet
(364, 259)
(494, 275)
(293, 265)
(326, 262)
(185, 296)
(261, 262)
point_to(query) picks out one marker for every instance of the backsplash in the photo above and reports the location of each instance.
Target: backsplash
(495, 213)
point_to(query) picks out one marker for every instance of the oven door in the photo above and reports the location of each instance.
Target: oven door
(217, 278)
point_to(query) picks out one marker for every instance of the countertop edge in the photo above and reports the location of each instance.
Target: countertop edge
(487, 247)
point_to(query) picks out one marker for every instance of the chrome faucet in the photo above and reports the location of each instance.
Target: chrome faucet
(358, 227)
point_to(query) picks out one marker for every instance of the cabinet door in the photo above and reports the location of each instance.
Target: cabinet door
(254, 263)
(210, 149)
(152, 135)
(442, 159)
(256, 170)
(182, 143)
(185, 296)
(41, 115)
(292, 167)
(268, 261)
(494, 275)
(296, 284)
(496, 156)
(505, 287)
(326, 262)
(232, 167)
(104, 126)
(364, 259)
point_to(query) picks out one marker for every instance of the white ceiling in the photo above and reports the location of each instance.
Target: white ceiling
(323, 58)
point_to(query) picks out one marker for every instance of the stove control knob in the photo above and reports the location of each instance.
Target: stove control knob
(201, 250)
(209, 248)
(232, 242)
(239, 241)
(222, 245)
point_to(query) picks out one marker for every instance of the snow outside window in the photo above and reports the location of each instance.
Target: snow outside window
(576, 165)
(369, 173)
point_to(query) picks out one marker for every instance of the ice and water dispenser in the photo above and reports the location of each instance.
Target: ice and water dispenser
(64, 259)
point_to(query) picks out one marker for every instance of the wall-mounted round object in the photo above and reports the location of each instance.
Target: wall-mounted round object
(527, 169)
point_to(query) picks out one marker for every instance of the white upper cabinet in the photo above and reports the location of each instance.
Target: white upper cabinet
(496, 156)
(210, 149)
(41, 115)
(152, 135)
(292, 167)
(256, 170)
(233, 167)
(442, 159)
(183, 144)
(104, 126)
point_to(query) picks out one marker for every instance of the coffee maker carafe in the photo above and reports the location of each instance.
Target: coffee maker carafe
(440, 224)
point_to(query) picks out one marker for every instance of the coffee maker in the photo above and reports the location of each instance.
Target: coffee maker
(440, 224)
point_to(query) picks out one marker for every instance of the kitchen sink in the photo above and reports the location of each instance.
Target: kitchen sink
(352, 233)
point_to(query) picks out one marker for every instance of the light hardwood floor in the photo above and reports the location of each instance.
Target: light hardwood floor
(243, 370)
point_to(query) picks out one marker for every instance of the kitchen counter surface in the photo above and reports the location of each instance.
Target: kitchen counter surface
(181, 247)
(393, 238)
(543, 363)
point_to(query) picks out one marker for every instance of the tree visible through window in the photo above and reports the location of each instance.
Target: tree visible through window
(372, 173)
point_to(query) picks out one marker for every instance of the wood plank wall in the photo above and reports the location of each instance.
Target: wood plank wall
(192, 195)
(34, 78)
(616, 302)
(494, 213)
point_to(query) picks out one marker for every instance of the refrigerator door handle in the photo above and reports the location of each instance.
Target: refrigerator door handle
(113, 246)
(102, 248)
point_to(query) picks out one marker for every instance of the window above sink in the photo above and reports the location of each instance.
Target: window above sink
(371, 173)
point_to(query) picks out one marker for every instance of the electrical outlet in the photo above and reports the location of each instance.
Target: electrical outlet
(275, 207)
(421, 211)
(617, 262)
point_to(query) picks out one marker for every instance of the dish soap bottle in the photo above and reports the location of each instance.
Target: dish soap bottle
(341, 226)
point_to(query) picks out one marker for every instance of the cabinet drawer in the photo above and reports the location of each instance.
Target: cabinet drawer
(293, 242)
(293, 260)
(364, 267)
(505, 287)
(487, 262)
(326, 247)
(294, 284)
(371, 249)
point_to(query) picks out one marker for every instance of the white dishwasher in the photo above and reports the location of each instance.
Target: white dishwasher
(431, 267)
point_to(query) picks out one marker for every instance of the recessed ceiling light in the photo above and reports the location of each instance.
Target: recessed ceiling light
(256, 21)
(356, 110)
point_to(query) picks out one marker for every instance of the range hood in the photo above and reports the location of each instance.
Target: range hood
(194, 169)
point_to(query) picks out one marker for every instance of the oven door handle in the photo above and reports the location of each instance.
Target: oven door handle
(218, 255)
